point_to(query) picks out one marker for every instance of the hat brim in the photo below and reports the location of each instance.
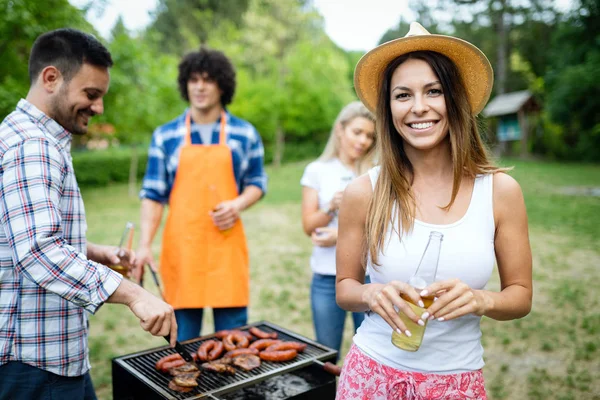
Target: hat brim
(473, 66)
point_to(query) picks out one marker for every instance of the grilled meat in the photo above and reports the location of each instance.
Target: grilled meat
(247, 362)
(186, 380)
(183, 369)
(219, 367)
(180, 389)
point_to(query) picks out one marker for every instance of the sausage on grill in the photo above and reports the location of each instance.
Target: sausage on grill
(221, 334)
(278, 356)
(210, 350)
(238, 352)
(299, 347)
(171, 357)
(262, 344)
(234, 341)
(262, 334)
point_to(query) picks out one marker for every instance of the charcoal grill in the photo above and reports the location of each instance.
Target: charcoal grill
(135, 377)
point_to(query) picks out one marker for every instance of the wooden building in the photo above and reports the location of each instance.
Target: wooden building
(513, 111)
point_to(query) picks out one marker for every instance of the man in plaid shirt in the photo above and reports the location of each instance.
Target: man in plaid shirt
(50, 277)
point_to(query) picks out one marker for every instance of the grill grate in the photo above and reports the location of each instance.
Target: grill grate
(141, 365)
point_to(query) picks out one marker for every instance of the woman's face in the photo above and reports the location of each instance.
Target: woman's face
(417, 105)
(356, 138)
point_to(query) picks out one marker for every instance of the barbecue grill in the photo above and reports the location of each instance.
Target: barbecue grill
(134, 376)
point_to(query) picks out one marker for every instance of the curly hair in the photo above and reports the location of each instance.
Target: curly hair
(215, 64)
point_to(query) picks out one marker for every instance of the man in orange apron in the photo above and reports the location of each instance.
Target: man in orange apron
(207, 165)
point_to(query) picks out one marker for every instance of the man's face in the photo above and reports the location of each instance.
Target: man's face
(78, 100)
(204, 92)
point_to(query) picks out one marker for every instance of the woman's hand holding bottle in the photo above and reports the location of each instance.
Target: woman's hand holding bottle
(454, 299)
(387, 300)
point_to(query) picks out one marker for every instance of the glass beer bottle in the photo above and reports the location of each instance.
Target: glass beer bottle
(423, 277)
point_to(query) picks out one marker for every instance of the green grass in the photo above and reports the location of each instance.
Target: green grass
(553, 353)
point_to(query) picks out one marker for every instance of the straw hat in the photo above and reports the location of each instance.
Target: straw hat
(473, 65)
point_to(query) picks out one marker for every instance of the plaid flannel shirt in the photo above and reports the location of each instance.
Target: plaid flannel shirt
(247, 154)
(46, 282)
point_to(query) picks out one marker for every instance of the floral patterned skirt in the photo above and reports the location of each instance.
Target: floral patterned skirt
(364, 378)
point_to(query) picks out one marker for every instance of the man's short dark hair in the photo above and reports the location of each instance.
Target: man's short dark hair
(216, 65)
(67, 50)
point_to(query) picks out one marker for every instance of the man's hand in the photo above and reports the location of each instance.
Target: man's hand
(226, 214)
(112, 256)
(156, 316)
(143, 256)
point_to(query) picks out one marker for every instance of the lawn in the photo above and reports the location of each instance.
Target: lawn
(553, 353)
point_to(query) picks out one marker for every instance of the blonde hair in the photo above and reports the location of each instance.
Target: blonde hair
(468, 152)
(332, 148)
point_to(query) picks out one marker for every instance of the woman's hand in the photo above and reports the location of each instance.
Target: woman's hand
(335, 202)
(385, 300)
(324, 237)
(454, 299)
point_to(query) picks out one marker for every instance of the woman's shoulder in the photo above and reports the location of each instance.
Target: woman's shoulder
(359, 191)
(505, 185)
(507, 192)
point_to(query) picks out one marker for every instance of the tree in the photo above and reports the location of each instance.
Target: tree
(21, 23)
(294, 97)
(573, 93)
(181, 23)
(509, 20)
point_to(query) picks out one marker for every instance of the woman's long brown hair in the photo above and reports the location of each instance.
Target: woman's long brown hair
(469, 154)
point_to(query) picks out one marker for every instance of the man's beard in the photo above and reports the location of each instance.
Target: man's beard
(61, 113)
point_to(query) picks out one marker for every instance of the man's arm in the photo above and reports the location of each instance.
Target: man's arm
(154, 194)
(31, 182)
(156, 316)
(228, 212)
(151, 215)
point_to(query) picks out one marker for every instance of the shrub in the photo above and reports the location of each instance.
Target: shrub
(101, 167)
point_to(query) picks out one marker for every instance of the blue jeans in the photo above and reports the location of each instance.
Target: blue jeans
(189, 320)
(328, 317)
(20, 381)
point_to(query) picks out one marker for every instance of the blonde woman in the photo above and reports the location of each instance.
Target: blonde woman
(435, 175)
(349, 152)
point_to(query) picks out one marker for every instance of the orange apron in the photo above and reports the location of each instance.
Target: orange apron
(200, 265)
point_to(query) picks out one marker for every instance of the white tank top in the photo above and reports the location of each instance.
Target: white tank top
(467, 253)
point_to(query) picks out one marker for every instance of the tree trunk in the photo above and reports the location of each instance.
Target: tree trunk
(279, 146)
(502, 51)
(279, 133)
(133, 166)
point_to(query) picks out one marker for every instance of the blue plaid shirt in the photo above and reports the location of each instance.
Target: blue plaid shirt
(46, 281)
(163, 156)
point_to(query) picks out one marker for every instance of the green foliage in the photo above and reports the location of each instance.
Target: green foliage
(22, 21)
(143, 92)
(179, 23)
(99, 168)
(573, 96)
(277, 88)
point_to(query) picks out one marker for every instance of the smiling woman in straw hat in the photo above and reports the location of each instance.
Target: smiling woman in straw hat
(435, 175)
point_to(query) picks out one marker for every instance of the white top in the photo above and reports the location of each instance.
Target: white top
(467, 253)
(327, 178)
